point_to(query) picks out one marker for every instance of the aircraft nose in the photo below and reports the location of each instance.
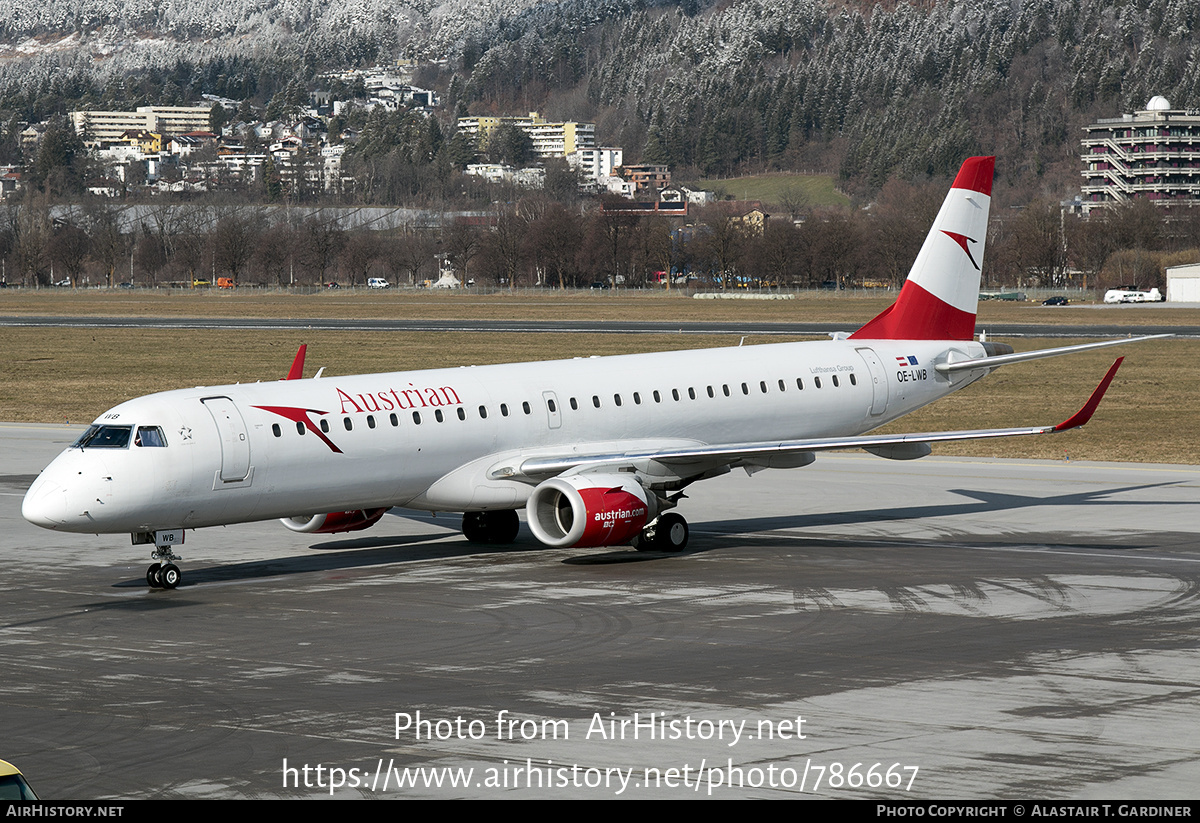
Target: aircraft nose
(45, 504)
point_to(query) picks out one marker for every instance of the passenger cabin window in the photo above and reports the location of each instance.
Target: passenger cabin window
(617, 399)
(853, 382)
(152, 436)
(300, 428)
(574, 405)
(596, 400)
(551, 405)
(370, 421)
(394, 419)
(346, 422)
(657, 396)
(799, 384)
(675, 393)
(745, 389)
(835, 381)
(483, 412)
(462, 413)
(275, 430)
(782, 386)
(817, 382)
(525, 406)
(710, 392)
(725, 388)
(324, 425)
(762, 384)
(104, 437)
(437, 415)
(417, 418)
(504, 410)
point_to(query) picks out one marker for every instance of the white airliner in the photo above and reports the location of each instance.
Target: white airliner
(596, 450)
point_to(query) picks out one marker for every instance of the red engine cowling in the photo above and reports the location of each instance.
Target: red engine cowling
(589, 510)
(334, 522)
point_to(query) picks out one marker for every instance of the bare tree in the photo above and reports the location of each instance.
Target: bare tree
(108, 243)
(555, 236)
(321, 242)
(234, 238)
(461, 244)
(30, 226)
(411, 252)
(274, 252)
(362, 248)
(68, 249)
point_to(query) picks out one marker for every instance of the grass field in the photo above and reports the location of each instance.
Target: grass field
(851, 308)
(1151, 413)
(774, 189)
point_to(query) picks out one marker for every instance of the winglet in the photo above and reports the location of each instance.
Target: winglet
(297, 370)
(1089, 408)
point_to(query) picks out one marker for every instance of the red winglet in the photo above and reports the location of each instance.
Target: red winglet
(297, 370)
(1089, 408)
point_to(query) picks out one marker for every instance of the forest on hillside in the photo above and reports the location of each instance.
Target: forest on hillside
(869, 90)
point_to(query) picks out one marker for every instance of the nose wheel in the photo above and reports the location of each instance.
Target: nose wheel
(163, 575)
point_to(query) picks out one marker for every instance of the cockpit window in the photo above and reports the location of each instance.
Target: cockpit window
(150, 436)
(104, 437)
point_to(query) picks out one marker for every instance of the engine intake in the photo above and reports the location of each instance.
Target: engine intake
(589, 510)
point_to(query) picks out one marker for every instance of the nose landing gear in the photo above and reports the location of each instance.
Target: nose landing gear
(163, 573)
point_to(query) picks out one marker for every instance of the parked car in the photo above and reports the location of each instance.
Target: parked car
(1055, 301)
(13, 785)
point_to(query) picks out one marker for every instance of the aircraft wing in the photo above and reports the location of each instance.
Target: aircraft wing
(698, 459)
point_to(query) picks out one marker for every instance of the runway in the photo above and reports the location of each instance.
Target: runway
(971, 628)
(1046, 330)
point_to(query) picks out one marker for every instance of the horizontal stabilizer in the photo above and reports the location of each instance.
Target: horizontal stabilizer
(954, 367)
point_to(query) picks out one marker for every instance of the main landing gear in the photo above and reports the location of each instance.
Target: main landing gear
(669, 533)
(491, 528)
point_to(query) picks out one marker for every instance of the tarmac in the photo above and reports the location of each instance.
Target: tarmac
(860, 628)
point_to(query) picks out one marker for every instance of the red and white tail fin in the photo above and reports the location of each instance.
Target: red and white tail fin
(940, 296)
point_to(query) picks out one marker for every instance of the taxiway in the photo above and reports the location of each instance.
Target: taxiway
(1009, 628)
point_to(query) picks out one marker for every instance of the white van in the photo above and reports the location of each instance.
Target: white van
(1126, 295)
(378, 283)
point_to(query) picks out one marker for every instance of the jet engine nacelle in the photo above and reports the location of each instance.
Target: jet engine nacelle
(334, 522)
(589, 510)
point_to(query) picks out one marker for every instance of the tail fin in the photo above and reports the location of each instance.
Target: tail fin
(939, 298)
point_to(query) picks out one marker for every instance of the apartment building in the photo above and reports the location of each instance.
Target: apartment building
(549, 139)
(1153, 154)
(101, 129)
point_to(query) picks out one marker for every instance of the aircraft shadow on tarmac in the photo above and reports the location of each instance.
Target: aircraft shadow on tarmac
(379, 551)
(983, 502)
(345, 555)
